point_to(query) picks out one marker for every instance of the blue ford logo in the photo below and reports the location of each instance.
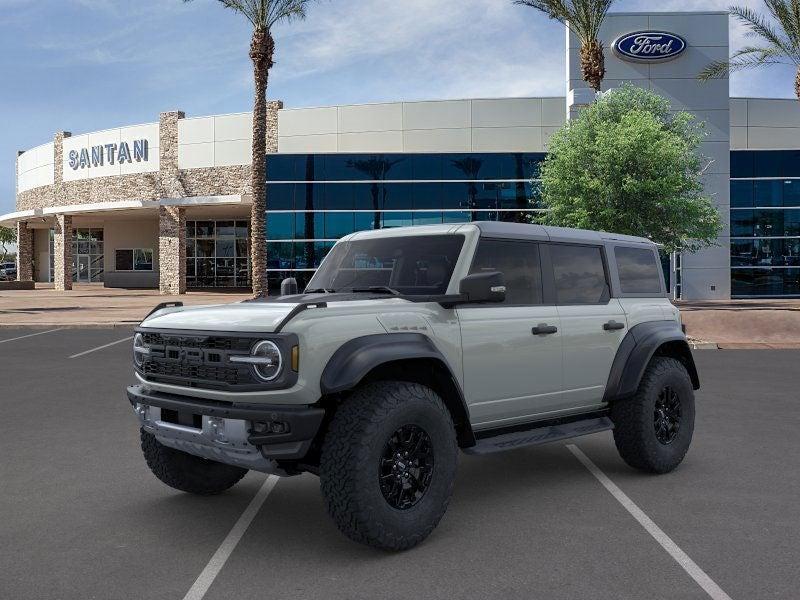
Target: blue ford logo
(649, 46)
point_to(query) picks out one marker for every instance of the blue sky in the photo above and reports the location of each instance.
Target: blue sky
(84, 65)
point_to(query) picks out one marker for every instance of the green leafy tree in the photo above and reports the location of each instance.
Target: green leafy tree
(778, 40)
(8, 236)
(584, 18)
(628, 165)
(263, 15)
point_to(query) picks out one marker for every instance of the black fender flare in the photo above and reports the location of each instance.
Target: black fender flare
(638, 347)
(356, 358)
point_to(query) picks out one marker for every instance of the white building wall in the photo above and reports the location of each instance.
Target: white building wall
(35, 167)
(481, 125)
(215, 141)
(765, 124)
(706, 274)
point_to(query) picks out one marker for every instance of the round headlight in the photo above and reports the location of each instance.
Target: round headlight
(139, 349)
(269, 360)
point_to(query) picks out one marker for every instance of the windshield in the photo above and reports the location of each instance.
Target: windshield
(409, 265)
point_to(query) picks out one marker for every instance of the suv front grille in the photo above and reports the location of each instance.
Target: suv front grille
(196, 360)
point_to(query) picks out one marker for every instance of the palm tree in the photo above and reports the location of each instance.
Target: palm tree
(263, 15)
(584, 19)
(780, 41)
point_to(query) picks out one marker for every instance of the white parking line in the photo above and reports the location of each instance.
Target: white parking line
(214, 566)
(101, 347)
(22, 337)
(688, 565)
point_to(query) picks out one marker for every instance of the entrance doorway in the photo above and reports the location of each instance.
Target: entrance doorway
(87, 251)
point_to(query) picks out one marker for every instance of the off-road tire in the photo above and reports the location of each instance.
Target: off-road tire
(186, 472)
(351, 461)
(634, 429)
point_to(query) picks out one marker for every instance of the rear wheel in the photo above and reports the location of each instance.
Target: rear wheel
(654, 428)
(186, 472)
(388, 464)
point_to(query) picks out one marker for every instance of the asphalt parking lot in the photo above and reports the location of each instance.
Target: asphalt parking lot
(82, 517)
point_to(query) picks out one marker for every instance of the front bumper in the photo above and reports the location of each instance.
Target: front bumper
(252, 436)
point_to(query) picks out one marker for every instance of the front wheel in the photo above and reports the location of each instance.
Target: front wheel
(186, 472)
(654, 428)
(388, 464)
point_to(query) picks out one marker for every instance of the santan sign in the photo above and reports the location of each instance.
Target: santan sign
(649, 46)
(97, 156)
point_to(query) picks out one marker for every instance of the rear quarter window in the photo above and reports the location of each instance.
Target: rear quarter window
(638, 271)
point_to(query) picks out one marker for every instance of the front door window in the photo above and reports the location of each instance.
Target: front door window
(87, 255)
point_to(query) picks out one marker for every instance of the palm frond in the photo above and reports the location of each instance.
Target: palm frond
(759, 26)
(784, 14)
(263, 14)
(583, 17)
(746, 58)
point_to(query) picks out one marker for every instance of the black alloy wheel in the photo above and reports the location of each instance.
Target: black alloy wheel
(667, 415)
(406, 467)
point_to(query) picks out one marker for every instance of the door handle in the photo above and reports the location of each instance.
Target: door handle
(544, 329)
(613, 326)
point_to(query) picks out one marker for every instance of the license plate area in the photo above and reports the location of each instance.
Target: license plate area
(187, 419)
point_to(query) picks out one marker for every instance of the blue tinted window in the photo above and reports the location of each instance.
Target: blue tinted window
(761, 253)
(427, 218)
(280, 226)
(396, 196)
(338, 225)
(281, 167)
(309, 196)
(309, 226)
(455, 195)
(741, 194)
(742, 164)
(427, 195)
(426, 166)
(456, 216)
(768, 193)
(463, 166)
(765, 282)
(791, 193)
(397, 219)
(280, 255)
(367, 196)
(367, 220)
(280, 196)
(791, 225)
(339, 196)
(768, 164)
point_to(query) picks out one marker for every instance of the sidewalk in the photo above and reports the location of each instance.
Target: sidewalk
(91, 305)
(739, 324)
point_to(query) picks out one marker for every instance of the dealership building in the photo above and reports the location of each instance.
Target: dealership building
(167, 204)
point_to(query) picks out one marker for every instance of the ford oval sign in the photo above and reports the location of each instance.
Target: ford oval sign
(649, 46)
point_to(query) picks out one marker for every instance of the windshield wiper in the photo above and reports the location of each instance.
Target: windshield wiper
(376, 289)
(320, 291)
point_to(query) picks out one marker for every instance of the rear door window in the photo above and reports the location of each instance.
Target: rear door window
(638, 271)
(519, 264)
(580, 276)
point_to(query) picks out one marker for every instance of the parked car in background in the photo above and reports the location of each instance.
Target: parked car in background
(8, 271)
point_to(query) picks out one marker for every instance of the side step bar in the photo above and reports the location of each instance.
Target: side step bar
(540, 433)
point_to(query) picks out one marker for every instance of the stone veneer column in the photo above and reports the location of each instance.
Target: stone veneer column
(171, 250)
(24, 252)
(273, 106)
(171, 219)
(62, 250)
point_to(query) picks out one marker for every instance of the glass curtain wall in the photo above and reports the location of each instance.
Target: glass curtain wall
(765, 223)
(315, 199)
(217, 254)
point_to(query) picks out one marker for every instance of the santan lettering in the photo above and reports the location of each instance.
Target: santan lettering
(645, 44)
(97, 156)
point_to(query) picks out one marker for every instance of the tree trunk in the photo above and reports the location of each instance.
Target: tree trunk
(797, 84)
(593, 66)
(262, 48)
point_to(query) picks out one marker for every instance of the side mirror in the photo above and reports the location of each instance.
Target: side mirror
(483, 287)
(289, 287)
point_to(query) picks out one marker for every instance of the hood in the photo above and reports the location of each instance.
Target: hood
(246, 316)
(252, 315)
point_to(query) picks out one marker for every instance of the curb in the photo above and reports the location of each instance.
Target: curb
(704, 346)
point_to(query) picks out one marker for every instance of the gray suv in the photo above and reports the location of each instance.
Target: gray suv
(407, 346)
